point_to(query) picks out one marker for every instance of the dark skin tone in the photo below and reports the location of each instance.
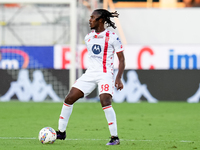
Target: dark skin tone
(105, 98)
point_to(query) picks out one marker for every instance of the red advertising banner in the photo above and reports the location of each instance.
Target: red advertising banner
(154, 57)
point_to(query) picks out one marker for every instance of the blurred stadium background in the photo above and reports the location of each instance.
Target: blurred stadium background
(42, 49)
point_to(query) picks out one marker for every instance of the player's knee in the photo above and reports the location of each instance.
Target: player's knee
(69, 99)
(105, 103)
(105, 100)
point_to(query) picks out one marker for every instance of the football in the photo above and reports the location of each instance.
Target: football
(47, 135)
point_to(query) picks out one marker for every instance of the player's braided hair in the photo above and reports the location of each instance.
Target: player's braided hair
(106, 15)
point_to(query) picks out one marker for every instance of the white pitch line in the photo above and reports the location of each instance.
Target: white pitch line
(186, 141)
(18, 138)
(33, 138)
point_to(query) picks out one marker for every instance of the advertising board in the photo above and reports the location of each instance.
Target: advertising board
(16, 57)
(139, 57)
(139, 85)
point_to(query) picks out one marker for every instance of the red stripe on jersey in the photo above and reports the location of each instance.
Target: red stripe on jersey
(106, 107)
(110, 123)
(105, 52)
(66, 104)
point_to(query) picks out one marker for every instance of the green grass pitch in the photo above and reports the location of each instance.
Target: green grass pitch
(141, 126)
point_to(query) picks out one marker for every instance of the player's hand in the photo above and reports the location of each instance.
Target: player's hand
(118, 84)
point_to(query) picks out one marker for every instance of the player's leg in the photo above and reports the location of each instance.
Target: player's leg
(111, 118)
(106, 88)
(66, 111)
(83, 86)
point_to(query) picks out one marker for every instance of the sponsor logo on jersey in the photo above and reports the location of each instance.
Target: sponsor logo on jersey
(94, 56)
(96, 49)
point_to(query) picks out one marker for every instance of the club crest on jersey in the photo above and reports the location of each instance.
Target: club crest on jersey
(96, 49)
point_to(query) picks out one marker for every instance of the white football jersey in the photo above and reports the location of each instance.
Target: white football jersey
(101, 48)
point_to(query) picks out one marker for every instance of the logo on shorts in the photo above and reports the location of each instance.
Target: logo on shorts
(96, 49)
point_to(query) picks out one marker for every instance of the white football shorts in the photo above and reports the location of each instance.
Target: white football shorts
(89, 80)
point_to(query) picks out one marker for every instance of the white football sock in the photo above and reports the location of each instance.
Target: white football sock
(64, 116)
(111, 118)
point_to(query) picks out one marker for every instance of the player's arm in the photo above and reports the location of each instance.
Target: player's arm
(118, 82)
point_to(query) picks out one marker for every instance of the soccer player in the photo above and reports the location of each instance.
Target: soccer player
(101, 45)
